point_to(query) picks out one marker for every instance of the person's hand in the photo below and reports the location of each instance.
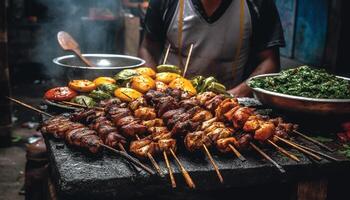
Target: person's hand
(241, 90)
(144, 5)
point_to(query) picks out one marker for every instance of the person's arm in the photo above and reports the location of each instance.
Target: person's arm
(269, 62)
(150, 51)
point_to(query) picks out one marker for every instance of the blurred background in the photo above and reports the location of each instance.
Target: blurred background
(315, 32)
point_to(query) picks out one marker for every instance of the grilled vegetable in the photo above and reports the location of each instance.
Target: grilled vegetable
(109, 88)
(206, 83)
(84, 100)
(169, 68)
(82, 85)
(167, 77)
(217, 88)
(104, 80)
(100, 95)
(197, 82)
(123, 77)
(127, 94)
(60, 94)
(183, 84)
(146, 71)
(142, 83)
(306, 82)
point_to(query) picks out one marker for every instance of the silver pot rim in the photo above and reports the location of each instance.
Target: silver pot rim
(58, 60)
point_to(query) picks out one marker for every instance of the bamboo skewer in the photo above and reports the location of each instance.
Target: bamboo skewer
(171, 175)
(29, 106)
(153, 161)
(188, 61)
(129, 158)
(81, 106)
(166, 54)
(319, 153)
(213, 163)
(283, 151)
(314, 141)
(261, 152)
(237, 153)
(301, 149)
(185, 174)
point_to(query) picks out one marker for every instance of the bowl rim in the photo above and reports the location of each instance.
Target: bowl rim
(58, 59)
(292, 97)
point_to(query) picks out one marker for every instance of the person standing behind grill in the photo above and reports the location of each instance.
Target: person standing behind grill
(232, 39)
(138, 9)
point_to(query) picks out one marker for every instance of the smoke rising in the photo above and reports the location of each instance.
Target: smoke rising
(72, 16)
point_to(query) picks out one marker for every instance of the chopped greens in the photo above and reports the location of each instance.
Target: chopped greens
(306, 82)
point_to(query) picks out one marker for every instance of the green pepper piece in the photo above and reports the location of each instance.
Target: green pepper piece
(217, 88)
(100, 95)
(82, 100)
(206, 83)
(197, 82)
(125, 76)
(169, 68)
(109, 88)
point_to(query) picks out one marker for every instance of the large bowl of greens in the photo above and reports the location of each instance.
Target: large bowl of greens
(303, 89)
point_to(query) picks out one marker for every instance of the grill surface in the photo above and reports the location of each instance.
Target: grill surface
(80, 175)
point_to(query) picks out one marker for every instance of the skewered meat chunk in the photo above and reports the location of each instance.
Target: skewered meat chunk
(109, 102)
(189, 103)
(154, 122)
(204, 97)
(213, 103)
(219, 133)
(167, 144)
(240, 117)
(182, 128)
(201, 116)
(252, 124)
(169, 114)
(126, 120)
(159, 129)
(265, 131)
(244, 141)
(165, 104)
(223, 144)
(224, 107)
(133, 129)
(136, 104)
(194, 141)
(142, 147)
(145, 113)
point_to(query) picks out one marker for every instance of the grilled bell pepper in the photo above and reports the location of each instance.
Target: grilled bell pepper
(206, 83)
(142, 83)
(100, 95)
(127, 94)
(104, 80)
(84, 100)
(217, 88)
(168, 68)
(82, 85)
(60, 94)
(183, 84)
(166, 77)
(109, 88)
(123, 77)
(146, 71)
(197, 82)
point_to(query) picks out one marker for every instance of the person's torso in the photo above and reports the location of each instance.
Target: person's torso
(215, 44)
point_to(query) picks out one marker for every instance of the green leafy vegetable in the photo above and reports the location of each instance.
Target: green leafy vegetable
(100, 95)
(81, 99)
(109, 88)
(306, 82)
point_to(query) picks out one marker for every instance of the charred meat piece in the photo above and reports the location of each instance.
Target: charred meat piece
(133, 129)
(194, 141)
(201, 116)
(136, 104)
(189, 103)
(224, 107)
(243, 141)
(145, 113)
(109, 102)
(265, 131)
(241, 116)
(213, 103)
(166, 145)
(169, 114)
(182, 128)
(126, 120)
(223, 144)
(204, 97)
(165, 104)
(142, 147)
(154, 122)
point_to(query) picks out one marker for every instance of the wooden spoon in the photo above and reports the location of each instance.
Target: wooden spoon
(69, 44)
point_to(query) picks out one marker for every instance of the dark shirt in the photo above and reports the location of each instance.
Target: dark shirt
(266, 24)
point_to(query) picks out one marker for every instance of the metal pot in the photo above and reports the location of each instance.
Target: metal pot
(106, 65)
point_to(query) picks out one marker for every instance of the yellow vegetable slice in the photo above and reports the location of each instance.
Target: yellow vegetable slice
(146, 71)
(143, 83)
(127, 94)
(82, 85)
(166, 77)
(183, 84)
(104, 80)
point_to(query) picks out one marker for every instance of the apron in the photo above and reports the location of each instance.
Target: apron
(220, 49)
